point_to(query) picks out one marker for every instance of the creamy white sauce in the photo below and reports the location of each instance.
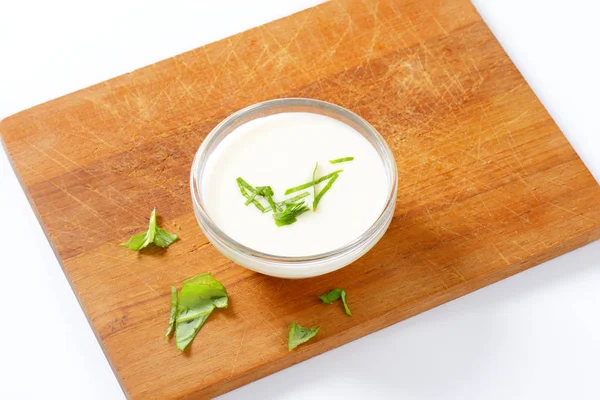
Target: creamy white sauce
(280, 151)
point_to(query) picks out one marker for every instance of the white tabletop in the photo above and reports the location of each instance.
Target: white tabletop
(532, 336)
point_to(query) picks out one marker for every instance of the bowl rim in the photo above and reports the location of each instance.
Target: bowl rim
(201, 156)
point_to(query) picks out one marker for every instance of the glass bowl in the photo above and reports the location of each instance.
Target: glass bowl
(293, 267)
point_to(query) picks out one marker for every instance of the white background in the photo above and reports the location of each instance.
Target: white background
(533, 336)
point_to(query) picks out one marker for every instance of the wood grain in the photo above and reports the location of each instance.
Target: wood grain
(488, 185)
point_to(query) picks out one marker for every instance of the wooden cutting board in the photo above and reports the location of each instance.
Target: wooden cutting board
(488, 185)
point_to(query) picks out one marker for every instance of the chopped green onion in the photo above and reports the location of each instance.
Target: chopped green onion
(314, 179)
(250, 198)
(288, 216)
(267, 193)
(291, 200)
(295, 199)
(341, 160)
(243, 183)
(322, 192)
(312, 183)
(244, 186)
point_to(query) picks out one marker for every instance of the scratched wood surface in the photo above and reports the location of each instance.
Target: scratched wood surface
(488, 184)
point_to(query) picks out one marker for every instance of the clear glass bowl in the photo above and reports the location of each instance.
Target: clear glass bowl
(293, 267)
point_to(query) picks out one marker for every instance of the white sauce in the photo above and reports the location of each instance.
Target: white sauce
(280, 151)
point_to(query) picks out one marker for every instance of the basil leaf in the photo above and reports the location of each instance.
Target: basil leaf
(154, 234)
(335, 294)
(346, 308)
(164, 239)
(137, 242)
(332, 296)
(299, 335)
(190, 321)
(142, 240)
(199, 296)
(173, 311)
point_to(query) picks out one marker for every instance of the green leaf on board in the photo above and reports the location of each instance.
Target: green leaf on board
(299, 335)
(335, 294)
(198, 297)
(173, 313)
(154, 234)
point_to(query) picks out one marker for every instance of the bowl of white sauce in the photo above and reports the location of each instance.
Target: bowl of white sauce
(248, 163)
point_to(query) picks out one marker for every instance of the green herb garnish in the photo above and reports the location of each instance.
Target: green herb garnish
(267, 193)
(299, 335)
(199, 296)
(295, 198)
(245, 187)
(154, 234)
(313, 182)
(341, 160)
(314, 179)
(286, 211)
(291, 200)
(288, 216)
(251, 198)
(323, 191)
(335, 294)
(173, 314)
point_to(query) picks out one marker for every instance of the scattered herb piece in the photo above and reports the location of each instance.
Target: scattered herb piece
(198, 298)
(154, 234)
(173, 314)
(341, 160)
(163, 238)
(335, 294)
(312, 183)
(288, 216)
(323, 191)
(299, 335)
